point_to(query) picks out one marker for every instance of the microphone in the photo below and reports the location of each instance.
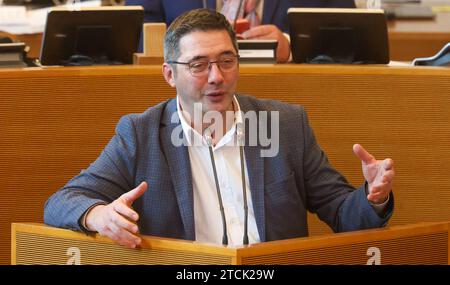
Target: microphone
(241, 141)
(209, 141)
(237, 14)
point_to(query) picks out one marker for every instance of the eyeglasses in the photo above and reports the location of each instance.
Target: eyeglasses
(201, 67)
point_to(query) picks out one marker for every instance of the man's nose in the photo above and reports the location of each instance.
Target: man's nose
(215, 75)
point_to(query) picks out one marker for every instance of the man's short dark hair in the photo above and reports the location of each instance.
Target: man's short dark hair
(194, 20)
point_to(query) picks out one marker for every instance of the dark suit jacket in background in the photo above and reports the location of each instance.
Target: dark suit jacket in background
(274, 11)
(282, 188)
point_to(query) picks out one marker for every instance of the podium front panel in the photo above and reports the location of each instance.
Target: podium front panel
(57, 246)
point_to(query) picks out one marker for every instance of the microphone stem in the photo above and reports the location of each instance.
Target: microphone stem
(222, 210)
(244, 194)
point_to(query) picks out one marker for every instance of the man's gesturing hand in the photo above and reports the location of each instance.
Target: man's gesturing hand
(117, 220)
(378, 173)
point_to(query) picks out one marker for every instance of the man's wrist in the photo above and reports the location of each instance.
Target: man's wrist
(380, 204)
(89, 217)
(384, 201)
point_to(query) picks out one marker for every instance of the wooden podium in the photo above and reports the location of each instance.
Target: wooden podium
(423, 243)
(46, 114)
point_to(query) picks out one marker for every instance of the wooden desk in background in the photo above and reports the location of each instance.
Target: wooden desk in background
(56, 121)
(408, 39)
(424, 243)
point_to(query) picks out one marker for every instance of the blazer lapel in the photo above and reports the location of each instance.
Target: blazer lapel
(180, 169)
(269, 11)
(255, 170)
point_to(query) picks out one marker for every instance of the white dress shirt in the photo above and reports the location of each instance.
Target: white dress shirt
(207, 216)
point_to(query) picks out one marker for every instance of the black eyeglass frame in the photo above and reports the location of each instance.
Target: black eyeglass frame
(218, 62)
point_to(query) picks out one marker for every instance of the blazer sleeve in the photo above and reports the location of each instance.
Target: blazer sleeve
(110, 176)
(330, 196)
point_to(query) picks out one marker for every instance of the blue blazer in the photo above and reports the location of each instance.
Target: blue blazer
(283, 188)
(274, 11)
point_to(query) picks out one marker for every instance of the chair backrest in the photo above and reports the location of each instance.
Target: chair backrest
(154, 41)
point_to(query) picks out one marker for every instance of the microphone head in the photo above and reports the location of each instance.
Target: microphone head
(208, 137)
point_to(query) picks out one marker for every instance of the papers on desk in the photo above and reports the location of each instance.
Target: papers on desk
(409, 12)
(440, 9)
(13, 15)
(399, 63)
(432, 3)
(18, 21)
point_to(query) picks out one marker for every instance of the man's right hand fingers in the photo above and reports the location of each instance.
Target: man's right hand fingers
(118, 219)
(132, 195)
(363, 154)
(122, 236)
(126, 211)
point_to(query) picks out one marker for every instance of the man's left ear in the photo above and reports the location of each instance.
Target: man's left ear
(168, 74)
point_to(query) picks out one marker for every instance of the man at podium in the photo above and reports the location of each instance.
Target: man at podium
(214, 166)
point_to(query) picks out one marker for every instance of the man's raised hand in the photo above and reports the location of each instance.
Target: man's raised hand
(378, 173)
